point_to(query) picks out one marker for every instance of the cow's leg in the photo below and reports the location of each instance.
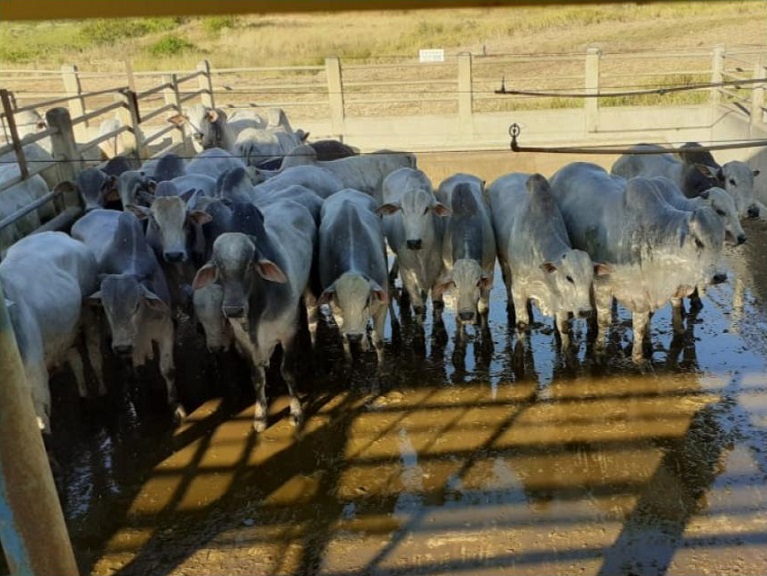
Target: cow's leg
(677, 315)
(393, 273)
(603, 302)
(379, 325)
(93, 335)
(168, 368)
(695, 301)
(75, 362)
(312, 314)
(640, 324)
(258, 378)
(563, 327)
(288, 372)
(519, 297)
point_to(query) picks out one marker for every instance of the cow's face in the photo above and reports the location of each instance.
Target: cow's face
(703, 243)
(208, 302)
(739, 183)
(468, 281)
(723, 204)
(570, 278)
(353, 298)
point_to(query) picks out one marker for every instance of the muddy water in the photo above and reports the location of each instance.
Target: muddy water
(492, 457)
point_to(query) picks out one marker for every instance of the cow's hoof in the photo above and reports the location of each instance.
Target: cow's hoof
(179, 414)
(259, 425)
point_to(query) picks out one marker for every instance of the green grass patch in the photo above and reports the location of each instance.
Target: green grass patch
(170, 45)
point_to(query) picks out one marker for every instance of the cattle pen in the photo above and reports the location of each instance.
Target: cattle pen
(488, 456)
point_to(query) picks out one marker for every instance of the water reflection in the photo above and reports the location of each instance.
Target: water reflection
(494, 451)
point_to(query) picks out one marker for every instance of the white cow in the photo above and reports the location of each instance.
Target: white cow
(353, 269)
(45, 278)
(655, 252)
(468, 248)
(412, 229)
(737, 178)
(534, 251)
(263, 277)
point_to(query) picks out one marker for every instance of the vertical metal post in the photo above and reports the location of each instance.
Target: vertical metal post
(757, 95)
(205, 83)
(465, 90)
(69, 162)
(32, 528)
(73, 88)
(336, 95)
(17, 147)
(129, 116)
(591, 105)
(173, 98)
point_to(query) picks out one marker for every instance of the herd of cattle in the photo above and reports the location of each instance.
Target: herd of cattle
(261, 229)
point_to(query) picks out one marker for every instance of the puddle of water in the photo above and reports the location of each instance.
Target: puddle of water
(485, 458)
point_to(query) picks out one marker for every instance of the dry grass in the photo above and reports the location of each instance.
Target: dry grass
(306, 39)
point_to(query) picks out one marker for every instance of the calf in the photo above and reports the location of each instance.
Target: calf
(133, 294)
(263, 278)
(353, 270)
(535, 254)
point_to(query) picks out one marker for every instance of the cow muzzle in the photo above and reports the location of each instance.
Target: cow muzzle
(414, 244)
(753, 211)
(466, 316)
(123, 350)
(741, 239)
(233, 311)
(354, 337)
(719, 278)
(174, 256)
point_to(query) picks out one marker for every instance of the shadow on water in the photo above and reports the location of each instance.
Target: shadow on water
(493, 454)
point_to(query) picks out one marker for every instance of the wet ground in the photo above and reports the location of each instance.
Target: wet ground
(492, 458)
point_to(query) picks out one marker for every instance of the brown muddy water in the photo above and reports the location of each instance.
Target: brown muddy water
(490, 458)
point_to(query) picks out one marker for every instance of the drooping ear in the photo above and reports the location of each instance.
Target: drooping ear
(485, 282)
(704, 194)
(66, 187)
(443, 283)
(186, 195)
(548, 267)
(154, 302)
(212, 115)
(178, 119)
(327, 295)
(205, 276)
(709, 172)
(268, 270)
(601, 269)
(199, 217)
(378, 292)
(387, 209)
(756, 173)
(94, 299)
(141, 212)
(440, 209)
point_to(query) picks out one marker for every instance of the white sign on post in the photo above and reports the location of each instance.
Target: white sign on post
(431, 55)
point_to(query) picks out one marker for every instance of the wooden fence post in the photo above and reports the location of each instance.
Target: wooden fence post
(129, 116)
(205, 83)
(336, 96)
(73, 88)
(32, 527)
(757, 95)
(64, 150)
(15, 140)
(717, 74)
(465, 90)
(173, 98)
(591, 105)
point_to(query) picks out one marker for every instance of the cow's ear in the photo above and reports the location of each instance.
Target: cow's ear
(154, 302)
(327, 295)
(704, 194)
(205, 276)
(199, 217)
(186, 195)
(443, 283)
(548, 267)
(756, 173)
(65, 187)
(178, 119)
(378, 292)
(141, 212)
(212, 115)
(94, 299)
(601, 269)
(441, 210)
(268, 270)
(485, 282)
(387, 209)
